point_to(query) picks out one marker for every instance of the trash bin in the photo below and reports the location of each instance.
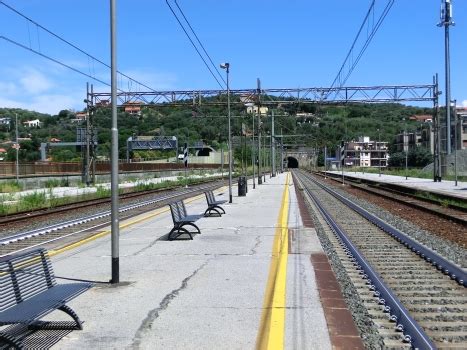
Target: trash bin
(242, 186)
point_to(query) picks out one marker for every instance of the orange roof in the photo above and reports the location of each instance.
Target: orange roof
(421, 117)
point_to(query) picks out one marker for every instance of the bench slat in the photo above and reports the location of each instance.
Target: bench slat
(42, 304)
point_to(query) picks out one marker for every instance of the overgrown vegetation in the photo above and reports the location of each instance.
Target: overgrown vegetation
(40, 200)
(317, 126)
(10, 187)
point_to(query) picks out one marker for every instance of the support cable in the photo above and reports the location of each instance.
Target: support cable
(64, 41)
(192, 43)
(339, 80)
(200, 43)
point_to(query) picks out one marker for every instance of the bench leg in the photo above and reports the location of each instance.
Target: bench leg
(178, 231)
(209, 212)
(59, 325)
(8, 339)
(192, 224)
(219, 207)
(69, 311)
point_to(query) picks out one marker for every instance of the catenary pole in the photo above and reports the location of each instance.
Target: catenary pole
(273, 147)
(446, 21)
(114, 153)
(17, 148)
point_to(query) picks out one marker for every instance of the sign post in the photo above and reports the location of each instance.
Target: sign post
(185, 161)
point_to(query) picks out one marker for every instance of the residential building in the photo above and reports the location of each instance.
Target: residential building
(424, 118)
(5, 121)
(428, 137)
(36, 123)
(132, 108)
(406, 141)
(461, 127)
(364, 153)
(262, 110)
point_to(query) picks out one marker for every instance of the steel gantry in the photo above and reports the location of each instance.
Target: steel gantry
(283, 96)
(357, 94)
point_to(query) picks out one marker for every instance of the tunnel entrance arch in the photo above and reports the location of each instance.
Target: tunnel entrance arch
(204, 152)
(292, 162)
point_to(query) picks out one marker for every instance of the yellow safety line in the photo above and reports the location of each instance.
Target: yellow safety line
(106, 232)
(271, 329)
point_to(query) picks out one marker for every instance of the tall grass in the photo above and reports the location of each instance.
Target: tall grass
(32, 201)
(10, 187)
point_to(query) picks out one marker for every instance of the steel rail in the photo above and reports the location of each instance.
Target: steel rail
(413, 333)
(442, 264)
(66, 224)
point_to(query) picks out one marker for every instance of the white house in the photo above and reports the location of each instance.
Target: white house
(36, 123)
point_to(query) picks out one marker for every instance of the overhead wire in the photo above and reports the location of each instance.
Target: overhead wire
(11, 41)
(194, 45)
(200, 43)
(339, 80)
(64, 41)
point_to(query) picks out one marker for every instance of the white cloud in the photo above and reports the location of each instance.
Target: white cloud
(8, 88)
(464, 103)
(50, 104)
(34, 82)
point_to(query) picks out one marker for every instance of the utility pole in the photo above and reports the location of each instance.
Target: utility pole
(273, 147)
(114, 153)
(258, 91)
(437, 168)
(87, 139)
(325, 161)
(282, 151)
(379, 151)
(446, 21)
(93, 137)
(455, 141)
(406, 149)
(17, 148)
(253, 149)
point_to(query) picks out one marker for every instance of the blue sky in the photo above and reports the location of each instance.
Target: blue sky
(287, 44)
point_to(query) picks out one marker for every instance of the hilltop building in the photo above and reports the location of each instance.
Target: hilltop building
(364, 153)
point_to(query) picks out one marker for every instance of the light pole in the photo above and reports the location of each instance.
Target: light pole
(446, 21)
(379, 149)
(325, 161)
(253, 144)
(17, 149)
(454, 102)
(406, 148)
(115, 228)
(260, 177)
(226, 66)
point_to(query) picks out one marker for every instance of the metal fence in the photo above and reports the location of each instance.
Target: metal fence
(8, 169)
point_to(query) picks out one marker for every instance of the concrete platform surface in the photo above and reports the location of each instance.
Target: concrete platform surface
(444, 187)
(203, 294)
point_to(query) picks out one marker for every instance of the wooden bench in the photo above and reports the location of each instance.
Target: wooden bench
(213, 205)
(180, 219)
(29, 292)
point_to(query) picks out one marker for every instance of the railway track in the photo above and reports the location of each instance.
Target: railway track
(81, 204)
(400, 194)
(69, 231)
(412, 295)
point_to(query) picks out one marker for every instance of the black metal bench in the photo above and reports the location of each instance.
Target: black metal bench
(213, 205)
(180, 219)
(29, 292)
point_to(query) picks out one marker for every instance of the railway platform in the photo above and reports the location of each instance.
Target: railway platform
(254, 278)
(445, 187)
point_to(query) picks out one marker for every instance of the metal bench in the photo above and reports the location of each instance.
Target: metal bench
(213, 205)
(180, 219)
(29, 292)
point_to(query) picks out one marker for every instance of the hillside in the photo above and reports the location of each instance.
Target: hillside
(321, 125)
